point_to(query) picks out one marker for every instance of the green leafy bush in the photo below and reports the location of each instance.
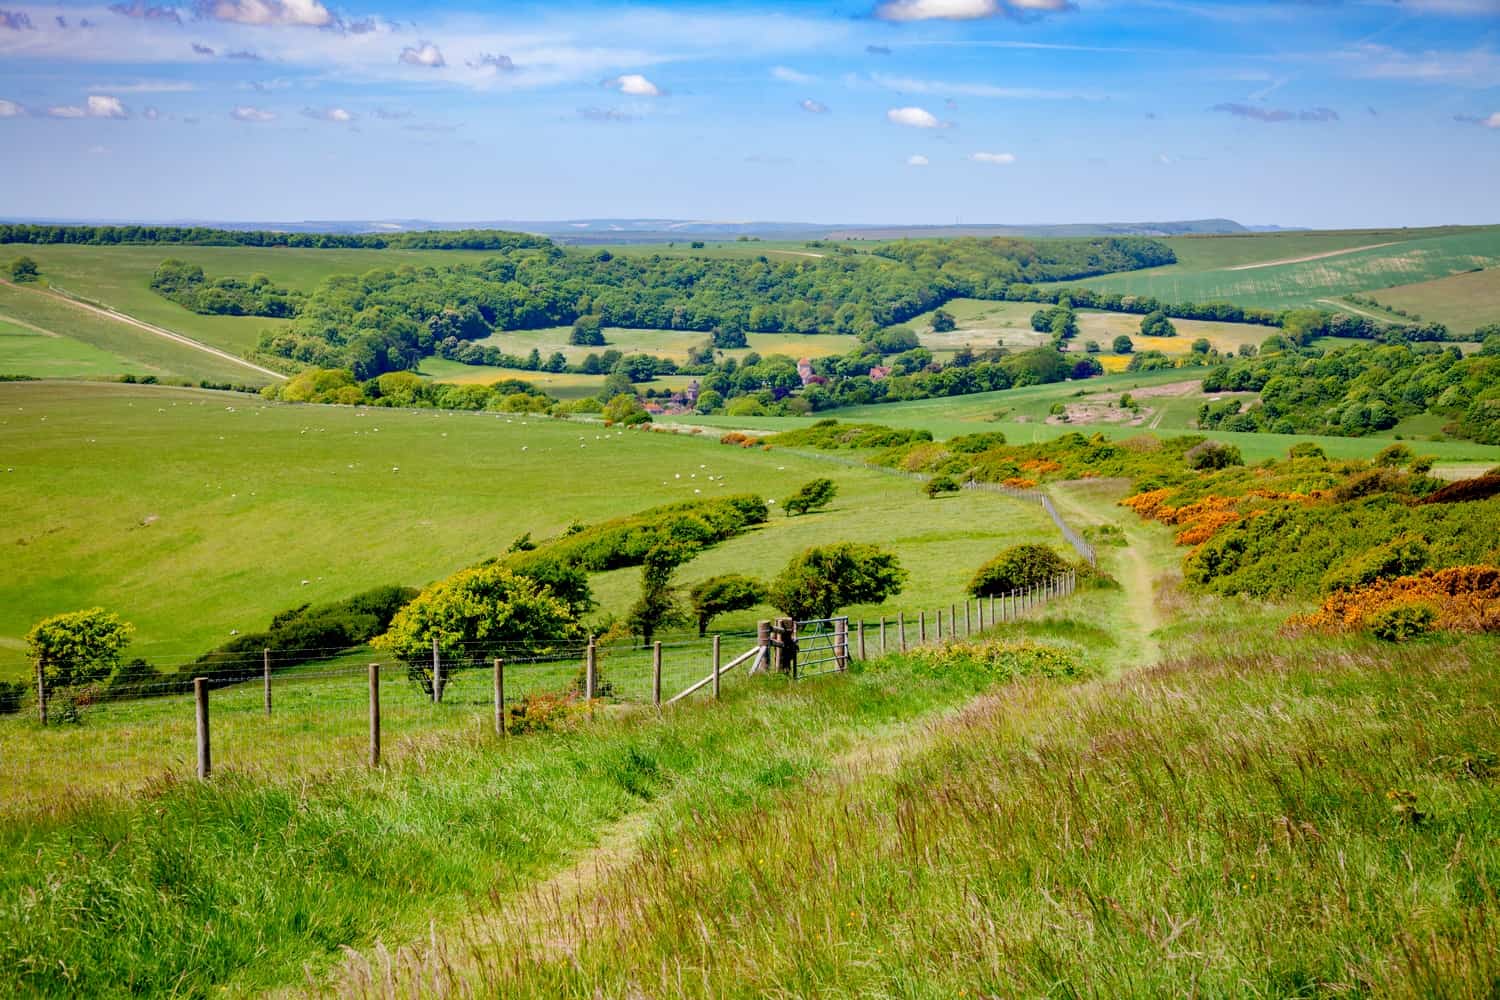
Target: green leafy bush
(1000, 659)
(624, 541)
(1403, 622)
(821, 580)
(1017, 568)
(814, 495)
(12, 693)
(1213, 455)
(939, 485)
(721, 594)
(831, 435)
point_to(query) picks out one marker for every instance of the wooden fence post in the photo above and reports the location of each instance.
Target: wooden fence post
(922, 627)
(939, 614)
(266, 657)
(953, 621)
(500, 726)
(374, 715)
(841, 643)
(882, 634)
(992, 610)
(717, 661)
(901, 630)
(200, 697)
(968, 623)
(41, 692)
(589, 666)
(789, 646)
(656, 673)
(861, 640)
(437, 673)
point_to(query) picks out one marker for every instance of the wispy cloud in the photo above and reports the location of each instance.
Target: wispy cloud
(994, 159)
(304, 13)
(10, 109)
(423, 54)
(146, 12)
(914, 85)
(594, 114)
(1255, 112)
(913, 118)
(1484, 121)
(329, 114)
(967, 10)
(1476, 67)
(249, 113)
(813, 107)
(917, 160)
(634, 85)
(148, 87)
(492, 62)
(788, 75)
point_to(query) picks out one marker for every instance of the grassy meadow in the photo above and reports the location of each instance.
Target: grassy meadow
(30, 350)
(1462, 302)
(195, 513)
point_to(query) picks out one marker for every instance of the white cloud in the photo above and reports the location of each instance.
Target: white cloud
(1493, 121)
(788, 75)
(995, 159)
(309, 13)
(917, 160)
(148, 87)
(813, 107)
(66, 111)
(102, 106)
(913, 118)
(634, 85)
(423, 54)
(248, 113)
(328, 114)
(965, 10)
(10, 109)
(1477, 67)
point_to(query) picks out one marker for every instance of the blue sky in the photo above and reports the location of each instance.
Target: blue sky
(1317, 113)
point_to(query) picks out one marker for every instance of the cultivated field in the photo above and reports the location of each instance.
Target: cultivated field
(1210, 270)
(1462, 302)
(195, 513)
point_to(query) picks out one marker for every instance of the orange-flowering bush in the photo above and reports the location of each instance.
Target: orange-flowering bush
(1148, 503)
(1020, 483)
(1201, 528)
(735, 437)
(1462, 599)
(1041, 466)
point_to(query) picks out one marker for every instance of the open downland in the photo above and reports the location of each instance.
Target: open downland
(1202, 273)
(141, 352)
(1463, 302)
(193, 513)
(30, 350)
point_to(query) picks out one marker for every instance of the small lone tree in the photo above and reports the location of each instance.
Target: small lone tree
(588, 331)
(939, 485)
(1123, 344)
(943, 322)
(823, 579)
(24, 270)
(626, 409)
(1017, 568)
(721, 594)
(658, 606)
(1212, 455)
(812, 496)
(477, 614)
(1156, 324)
(77, 647)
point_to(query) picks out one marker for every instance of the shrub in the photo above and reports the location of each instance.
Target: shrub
(1305, 449)
(1213, 455)
(588, 331)
(1017, 568)
(1156, 324)
(1403, 622)
(823, 579)
(624, 541)
(939, 485)
(814, 495)
(1122, 344)
(1401, 556)
(24, 270)
(1394, 456)
(942, 322)
(541, 712)
(77, 647)
(625, 409)
(1467, 490)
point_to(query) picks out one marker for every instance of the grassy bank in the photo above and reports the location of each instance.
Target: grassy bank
(1253, 818)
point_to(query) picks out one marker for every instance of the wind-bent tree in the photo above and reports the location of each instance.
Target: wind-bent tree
(812, 496)
(721, 594)
(658, 606)
(825, 578)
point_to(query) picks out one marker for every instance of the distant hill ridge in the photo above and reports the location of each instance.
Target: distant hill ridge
(636, 230)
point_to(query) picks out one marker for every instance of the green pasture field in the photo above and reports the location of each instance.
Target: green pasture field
(562, 385)
(1205, 274)
(141, 352)
(26, 350)
(120, 277)
(1021, 415)
(196, 513)
(673, 344)
(1461, 302)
